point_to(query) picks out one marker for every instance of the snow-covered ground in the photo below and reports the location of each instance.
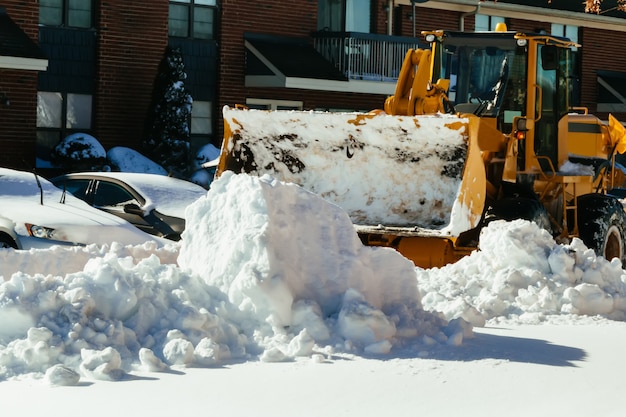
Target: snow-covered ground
(268, 308)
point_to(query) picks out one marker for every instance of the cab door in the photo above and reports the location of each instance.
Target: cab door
(552, 97)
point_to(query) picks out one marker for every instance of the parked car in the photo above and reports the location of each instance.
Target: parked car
(154, 203)
(36, 214)
(8, 237)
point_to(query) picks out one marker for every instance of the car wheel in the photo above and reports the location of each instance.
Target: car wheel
(6, 242)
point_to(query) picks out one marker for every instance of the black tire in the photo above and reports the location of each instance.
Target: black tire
(6, 242)
(602, 225)
(510, 209)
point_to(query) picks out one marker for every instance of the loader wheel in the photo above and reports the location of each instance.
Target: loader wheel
(602, 225)
(510, 209)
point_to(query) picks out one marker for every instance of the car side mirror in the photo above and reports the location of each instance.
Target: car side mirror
(133, 209)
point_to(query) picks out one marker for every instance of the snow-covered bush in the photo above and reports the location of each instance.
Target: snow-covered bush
(204, 176)
(125, 159)
(79, 152)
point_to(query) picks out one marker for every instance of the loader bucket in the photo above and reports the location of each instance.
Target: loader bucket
(384, 171)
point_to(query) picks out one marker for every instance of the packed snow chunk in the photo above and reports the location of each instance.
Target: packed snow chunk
(209, 353)
(508, 243)
(103, 364)
(35, 353)
(307, 314)
(288, 256)
(15, 323)
(179, 352)
(379, 348)
(150, 362)
(110, 287)
(458, 330)
(273, 354)
(588, 299)
(60, 375)
(301, 345)
(360, 323)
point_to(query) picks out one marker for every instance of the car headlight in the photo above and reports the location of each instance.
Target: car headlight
(41, 232)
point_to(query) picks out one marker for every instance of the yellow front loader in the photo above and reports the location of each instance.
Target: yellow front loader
(480, 128)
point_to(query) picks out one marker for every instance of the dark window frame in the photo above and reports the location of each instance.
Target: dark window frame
(65, 16)
(63, 131)
(335, 19)
(192, 8)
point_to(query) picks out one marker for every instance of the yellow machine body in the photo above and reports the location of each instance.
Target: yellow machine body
(436, 132)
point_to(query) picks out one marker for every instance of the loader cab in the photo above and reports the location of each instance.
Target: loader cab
(502, 76)
(488, 74)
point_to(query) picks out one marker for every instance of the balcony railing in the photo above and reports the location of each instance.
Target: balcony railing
(364, 56)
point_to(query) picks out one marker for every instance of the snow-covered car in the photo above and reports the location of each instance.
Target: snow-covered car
(154, 203)
(8, 237)
(36, 214)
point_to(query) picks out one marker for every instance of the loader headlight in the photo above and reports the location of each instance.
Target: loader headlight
(521, 124)
(41, 232)
(430, 38)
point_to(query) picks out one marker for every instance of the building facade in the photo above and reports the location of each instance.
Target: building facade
(94, 63)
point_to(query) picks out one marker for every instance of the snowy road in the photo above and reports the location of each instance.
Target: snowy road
(535, 370)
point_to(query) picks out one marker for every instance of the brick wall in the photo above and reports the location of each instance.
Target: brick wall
(132, 38)
(293, 18)
(528, 26)
(427, 19)
(601, 49)
(18, 120)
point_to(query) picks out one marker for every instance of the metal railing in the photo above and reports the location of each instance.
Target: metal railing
(364, 56)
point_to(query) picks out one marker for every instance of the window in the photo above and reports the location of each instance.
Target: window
(70, 13)
(566, 31)
(201, 124)
(59, 115)
(201, 120)
(484, 23)
(344, 15)
(192, 18)
(263, 104)
(112, 195)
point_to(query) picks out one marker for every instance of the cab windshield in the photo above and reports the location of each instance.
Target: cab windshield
(486, 78)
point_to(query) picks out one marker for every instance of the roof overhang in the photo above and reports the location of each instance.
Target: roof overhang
(14, 62)
(17, 50)
(525, 12)
(612, 91)
(282, 62)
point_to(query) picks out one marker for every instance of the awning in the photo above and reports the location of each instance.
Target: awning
(288, 62)
(17, 50)
(611, 91)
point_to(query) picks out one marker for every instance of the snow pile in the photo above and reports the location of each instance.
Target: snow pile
(267, 271)
(521, 274)
(60, 260)
(293, 260)
(364, 163)
(265, 275)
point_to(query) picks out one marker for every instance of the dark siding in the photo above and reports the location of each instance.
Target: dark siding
(200, 58)
(71, 60)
